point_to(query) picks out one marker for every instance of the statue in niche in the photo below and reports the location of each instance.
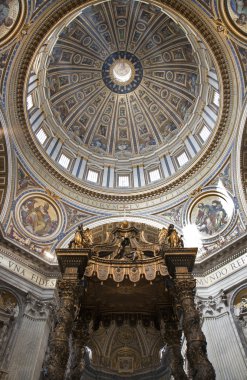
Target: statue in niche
(240, 310)
(83, 238)
(243, 305)
(170, 237)
(243, 316)
(9, 310)
(8, 303)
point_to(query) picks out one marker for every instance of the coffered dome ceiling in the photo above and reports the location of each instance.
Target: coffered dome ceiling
(123, 96)
(146, 110)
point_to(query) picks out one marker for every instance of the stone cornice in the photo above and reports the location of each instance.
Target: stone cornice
(224, 256)
(28, 260)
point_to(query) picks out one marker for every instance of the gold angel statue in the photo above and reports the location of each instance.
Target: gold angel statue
(170, 237)
(163, 235)
(82, 239)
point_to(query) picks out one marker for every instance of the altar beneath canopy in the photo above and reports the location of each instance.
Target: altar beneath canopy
(113, 293)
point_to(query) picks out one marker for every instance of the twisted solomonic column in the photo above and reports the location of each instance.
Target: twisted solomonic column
(180, 262)
(172, 337)
(80, 337)
(59, 340)
(72, 262)
(200, 366)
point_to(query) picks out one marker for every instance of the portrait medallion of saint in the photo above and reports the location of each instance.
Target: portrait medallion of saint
(10, 11)
(211, 214)
(39, 217)
(236, 12)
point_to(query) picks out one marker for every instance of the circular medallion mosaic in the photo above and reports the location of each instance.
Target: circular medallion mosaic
(237, 13)
(39, 217)
(11, 17)
(122, 72)
(211, 214)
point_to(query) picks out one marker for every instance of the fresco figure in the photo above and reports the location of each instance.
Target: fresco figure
(38, 218)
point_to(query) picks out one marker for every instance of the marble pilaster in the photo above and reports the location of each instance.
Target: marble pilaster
(30, 345)
(224, 349)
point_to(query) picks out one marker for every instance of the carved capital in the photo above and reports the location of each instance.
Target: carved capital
(185, 287)
(38, 309)
(212, 306)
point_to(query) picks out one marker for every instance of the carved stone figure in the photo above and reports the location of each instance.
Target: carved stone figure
(180, 242)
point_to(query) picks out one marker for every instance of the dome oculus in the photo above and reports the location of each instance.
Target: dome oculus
(122, 72)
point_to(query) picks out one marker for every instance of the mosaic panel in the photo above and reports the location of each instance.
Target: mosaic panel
(211, 213)
(237, 12)
(24, 180)
(9, 12)
(38, 216)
